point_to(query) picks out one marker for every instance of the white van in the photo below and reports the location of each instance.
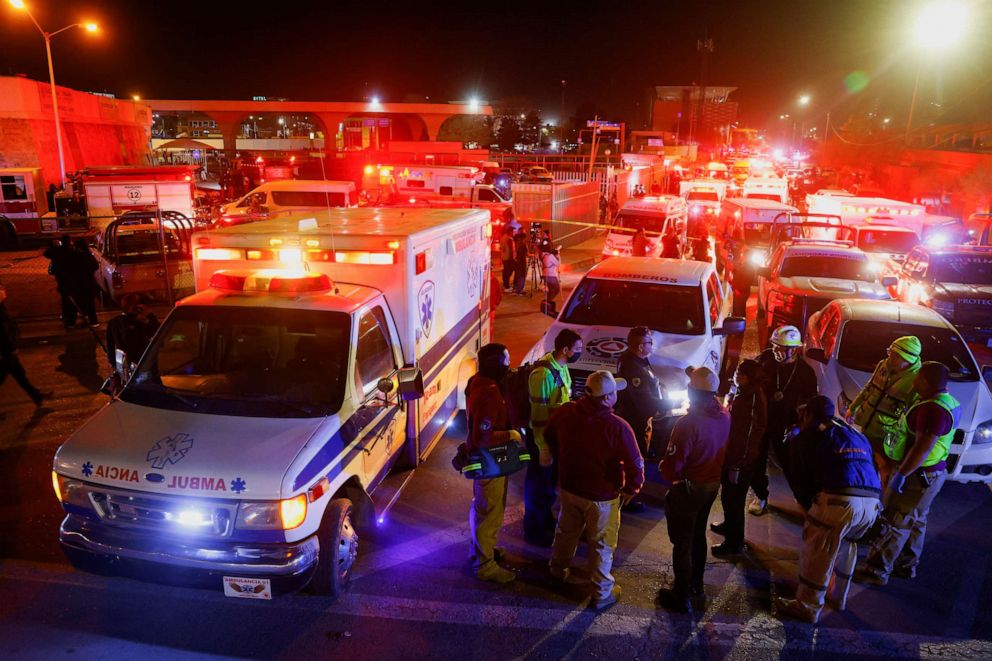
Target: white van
(767, 188)
(654, 214)
(276, 198)
(246, 446)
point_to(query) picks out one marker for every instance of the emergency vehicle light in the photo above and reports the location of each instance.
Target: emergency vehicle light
(369, 169)
(218, 253)
(364, 257)
(273, 281)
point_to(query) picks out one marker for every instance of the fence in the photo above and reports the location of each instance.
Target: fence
(559, 204)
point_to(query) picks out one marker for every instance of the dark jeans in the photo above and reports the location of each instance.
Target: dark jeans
(687, 512)
(520, 277)
(11, 364)
(733, 498)
(554, 287)
(78, 303)
(507, 273)
(759, 476)
(540, 493)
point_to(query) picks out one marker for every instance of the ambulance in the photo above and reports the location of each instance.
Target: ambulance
(703, 195)
(855, 210)
(276, 198)
(766, 188)
(654, 214)
(248, 443)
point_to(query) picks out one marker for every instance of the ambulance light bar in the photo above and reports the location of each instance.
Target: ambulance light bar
(273, 281)
(297, 256)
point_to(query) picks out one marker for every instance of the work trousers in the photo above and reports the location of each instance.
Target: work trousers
(832, 526)
(600, 520)
(520, 277)
(759, 476)
(540, 492)
(904, 526)
(733, 498)
(687, 510)
(11, 364)
(485, 518)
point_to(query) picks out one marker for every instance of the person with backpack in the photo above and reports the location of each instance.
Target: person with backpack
(488, 426)
(601, 468)
(549, 387)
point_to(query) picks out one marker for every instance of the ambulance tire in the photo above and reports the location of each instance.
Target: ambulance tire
(8, 236)
(338, 550)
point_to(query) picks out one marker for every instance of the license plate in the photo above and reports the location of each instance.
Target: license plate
(247, 588)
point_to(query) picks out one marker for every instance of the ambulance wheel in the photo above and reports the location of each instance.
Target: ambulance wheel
(338, 550)
(8, 237)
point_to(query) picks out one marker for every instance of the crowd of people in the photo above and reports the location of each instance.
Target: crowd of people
(521, 253)
(866, 474)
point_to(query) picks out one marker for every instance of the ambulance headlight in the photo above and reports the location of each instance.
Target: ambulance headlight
(273, 515)
(70, 492)
(757, 257)
(983, 433)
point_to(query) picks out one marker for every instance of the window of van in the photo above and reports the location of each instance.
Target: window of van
(446, 190)
(299, 198)
(636, 221)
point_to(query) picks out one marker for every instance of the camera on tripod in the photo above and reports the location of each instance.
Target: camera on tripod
(534, 231)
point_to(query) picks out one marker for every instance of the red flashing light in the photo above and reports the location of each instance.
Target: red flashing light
(188, 178)
(311, 282)
(421, 262)
(228, 281)
(259, 160)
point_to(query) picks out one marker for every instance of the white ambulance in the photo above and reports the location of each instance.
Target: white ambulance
(703, 195)
(766, 188)
(856, 210)
(245, 447)
(653, 214)
(278, 198)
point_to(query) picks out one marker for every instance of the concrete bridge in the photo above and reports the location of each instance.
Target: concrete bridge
(419, 121)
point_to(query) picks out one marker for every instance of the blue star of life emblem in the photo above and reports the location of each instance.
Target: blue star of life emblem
(426, 300)
(87, 469)
(238, 485)
(169, 450)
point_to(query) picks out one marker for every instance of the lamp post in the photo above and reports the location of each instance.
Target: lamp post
(938, 27)
(89, 27)
(803, 101)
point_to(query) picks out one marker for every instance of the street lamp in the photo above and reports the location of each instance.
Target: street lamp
(89, 27)
(804, 100)
(938, 27)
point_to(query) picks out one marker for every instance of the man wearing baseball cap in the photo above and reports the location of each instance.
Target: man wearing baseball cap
(690, 474)
(887, 395)
(599, 468)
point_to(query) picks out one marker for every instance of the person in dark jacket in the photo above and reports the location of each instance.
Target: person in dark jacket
(641, 400)
(745, 444)
(835, 480)
(10, 364)
(789, 383)
(59, 254)
(521, 251)
(639, 243)
(130, 331)
(599, 467)
(82, 286)
(671, 243)
(488, 426)
(690, 475)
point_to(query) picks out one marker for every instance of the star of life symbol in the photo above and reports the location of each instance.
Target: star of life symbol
(426, 300)
(238, 485)
(169, 450)
(87, 469)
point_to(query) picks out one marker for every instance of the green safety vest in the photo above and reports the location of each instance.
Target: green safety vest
(895, 447)
(879, 406)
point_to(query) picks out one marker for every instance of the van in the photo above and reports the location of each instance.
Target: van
(743, 234)
(275, 198)
(654, 214)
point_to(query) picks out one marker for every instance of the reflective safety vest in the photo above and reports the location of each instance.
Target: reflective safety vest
(882, 402)
(896, 448)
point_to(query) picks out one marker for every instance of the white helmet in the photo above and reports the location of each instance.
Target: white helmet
(786, 336)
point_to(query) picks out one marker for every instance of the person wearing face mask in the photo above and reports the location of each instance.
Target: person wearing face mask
(789, 383)
(488, 426)
(690, 478)
(10, 364)
(550, 387)
(600, 468)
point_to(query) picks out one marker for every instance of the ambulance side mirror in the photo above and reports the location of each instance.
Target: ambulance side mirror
(816, 353)
(411, 383)
(763, 271)
(731, 326)
(108, 387)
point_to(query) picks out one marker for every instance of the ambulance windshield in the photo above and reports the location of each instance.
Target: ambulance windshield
(254, 362)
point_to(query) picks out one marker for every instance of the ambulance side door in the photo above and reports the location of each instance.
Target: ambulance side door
(380, 417)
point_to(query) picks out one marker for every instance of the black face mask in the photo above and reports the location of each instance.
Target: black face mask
(574, 358)
(501, 373)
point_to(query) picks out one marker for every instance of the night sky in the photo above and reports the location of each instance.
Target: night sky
(608, 52)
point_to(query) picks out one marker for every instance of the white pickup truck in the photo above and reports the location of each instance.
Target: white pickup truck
(318, 353)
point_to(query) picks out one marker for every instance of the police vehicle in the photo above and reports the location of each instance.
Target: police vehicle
(248, 444)
(846, 340)
(683, 302)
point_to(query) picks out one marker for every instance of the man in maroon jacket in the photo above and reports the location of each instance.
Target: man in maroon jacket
(488, 426)
(599, 468)
(690, 473)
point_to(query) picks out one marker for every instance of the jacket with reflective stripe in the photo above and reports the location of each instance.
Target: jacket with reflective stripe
(942, 447)
(880, 404)
(546, 396)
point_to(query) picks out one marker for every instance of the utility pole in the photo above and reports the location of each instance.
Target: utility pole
(561, 120)
(704, 46)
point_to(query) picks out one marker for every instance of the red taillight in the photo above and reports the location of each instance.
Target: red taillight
(421, 262)
(117, 280)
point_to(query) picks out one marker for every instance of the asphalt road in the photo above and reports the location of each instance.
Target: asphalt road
(413, 595)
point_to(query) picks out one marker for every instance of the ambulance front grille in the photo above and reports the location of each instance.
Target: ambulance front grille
(164, 514)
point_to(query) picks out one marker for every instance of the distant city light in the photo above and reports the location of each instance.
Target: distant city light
(804, 100)
(940, 25)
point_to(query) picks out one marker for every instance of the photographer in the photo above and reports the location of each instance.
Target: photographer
(549, 269)
(521, 252)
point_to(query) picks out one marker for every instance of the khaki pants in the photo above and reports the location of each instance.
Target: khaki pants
(831, 524)
(904, 525)
(601, 522)
(485, 518)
